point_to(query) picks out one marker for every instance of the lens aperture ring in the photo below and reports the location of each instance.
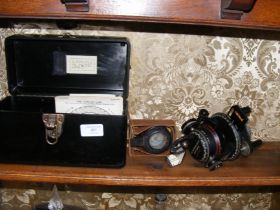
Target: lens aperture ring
(214, 134)
(202, 142)
(237, 149)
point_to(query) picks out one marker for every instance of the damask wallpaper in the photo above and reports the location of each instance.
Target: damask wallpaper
(173, 76)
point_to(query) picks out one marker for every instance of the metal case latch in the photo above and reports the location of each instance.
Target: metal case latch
(53, 127)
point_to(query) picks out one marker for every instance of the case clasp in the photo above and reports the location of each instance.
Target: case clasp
(53, 127)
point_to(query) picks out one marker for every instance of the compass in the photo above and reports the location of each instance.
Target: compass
(155, 140)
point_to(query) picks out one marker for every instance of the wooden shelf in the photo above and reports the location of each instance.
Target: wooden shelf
(262, 168)
(265, 14)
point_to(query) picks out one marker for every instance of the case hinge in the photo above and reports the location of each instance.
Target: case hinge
(76, 5)
(53, 127)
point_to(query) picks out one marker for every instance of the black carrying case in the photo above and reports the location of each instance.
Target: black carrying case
(36, 69)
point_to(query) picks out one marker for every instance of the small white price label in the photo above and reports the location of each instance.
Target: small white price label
(90, 130)
(81, 64)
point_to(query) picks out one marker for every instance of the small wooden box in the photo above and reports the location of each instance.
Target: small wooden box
(137, 126)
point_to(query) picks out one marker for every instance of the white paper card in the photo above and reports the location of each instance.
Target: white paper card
(81, 64)
(92, 104)
(91, 130)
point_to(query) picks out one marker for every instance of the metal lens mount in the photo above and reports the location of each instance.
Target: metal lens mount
(212, 140)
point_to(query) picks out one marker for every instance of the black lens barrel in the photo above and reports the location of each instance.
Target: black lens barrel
(212, 140)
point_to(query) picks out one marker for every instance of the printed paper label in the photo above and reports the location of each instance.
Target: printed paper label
(108, 104)
(90, 130)
(81, 64)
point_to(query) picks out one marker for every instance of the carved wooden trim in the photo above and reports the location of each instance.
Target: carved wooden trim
(76, 5)
(234, 9)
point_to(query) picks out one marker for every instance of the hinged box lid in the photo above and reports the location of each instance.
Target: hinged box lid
(52, 65)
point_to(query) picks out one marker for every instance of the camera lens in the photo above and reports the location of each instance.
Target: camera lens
(204, 142)
(230, 141)
(212, 140)
(214, 137)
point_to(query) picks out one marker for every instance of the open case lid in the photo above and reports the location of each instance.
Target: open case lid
(52, 65)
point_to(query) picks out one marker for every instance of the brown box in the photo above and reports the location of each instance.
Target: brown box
(137, 126)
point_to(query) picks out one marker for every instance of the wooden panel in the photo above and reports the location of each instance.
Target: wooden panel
(241, 5)
(234, 9)
(260, 169)
(265, 14)
(76, 5)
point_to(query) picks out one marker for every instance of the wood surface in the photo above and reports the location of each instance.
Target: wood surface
(262, 168)
(264, 15)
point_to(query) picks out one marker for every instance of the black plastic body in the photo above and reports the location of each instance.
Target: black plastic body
(213, 140)
(36, 73)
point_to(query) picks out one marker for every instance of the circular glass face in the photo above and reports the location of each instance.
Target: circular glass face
(158, 141)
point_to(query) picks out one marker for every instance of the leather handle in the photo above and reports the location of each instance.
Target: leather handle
(234, 9)
(76, 5)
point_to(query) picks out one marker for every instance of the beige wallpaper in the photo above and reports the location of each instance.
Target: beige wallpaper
(26, 199)
(173, 76)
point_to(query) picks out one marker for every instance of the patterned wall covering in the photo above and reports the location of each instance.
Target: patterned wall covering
(173, 76)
